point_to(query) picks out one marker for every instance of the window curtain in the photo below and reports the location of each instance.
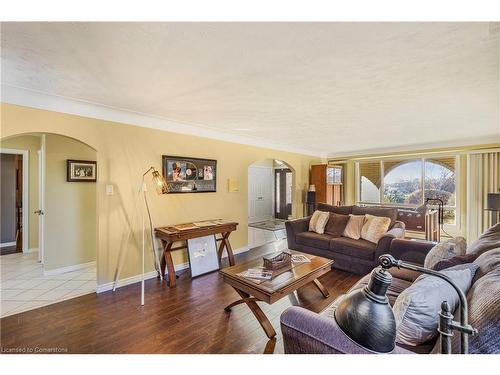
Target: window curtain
(483, 177)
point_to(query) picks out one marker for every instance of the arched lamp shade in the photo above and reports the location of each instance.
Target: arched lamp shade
(366, 316)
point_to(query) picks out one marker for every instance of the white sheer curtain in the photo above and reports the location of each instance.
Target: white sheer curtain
(483, 177)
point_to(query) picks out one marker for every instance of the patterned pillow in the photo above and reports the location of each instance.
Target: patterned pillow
(354, 226)
(318, 222)
(445, 250)
(374, 227)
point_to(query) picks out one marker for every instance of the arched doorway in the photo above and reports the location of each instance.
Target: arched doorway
(270, 200)
(60, 210)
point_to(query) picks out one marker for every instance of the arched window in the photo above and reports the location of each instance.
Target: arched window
(409, 182)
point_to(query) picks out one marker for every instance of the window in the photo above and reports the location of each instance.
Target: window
(409, 182)
(369, 183)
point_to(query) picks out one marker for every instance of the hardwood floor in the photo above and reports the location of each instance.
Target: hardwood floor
(189, 318)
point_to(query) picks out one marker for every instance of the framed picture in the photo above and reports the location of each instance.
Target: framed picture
(81, 171)
(202, 253)
(189, 175)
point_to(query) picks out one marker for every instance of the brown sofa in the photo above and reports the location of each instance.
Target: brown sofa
(307, 332)
(357, 256)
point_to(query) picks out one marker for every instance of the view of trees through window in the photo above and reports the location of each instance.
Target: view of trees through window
(410, 182)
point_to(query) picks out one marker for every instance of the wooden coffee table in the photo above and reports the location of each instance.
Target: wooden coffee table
(284, 283)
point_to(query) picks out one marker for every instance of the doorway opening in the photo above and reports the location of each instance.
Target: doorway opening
(14, 200)
(55, 223)
(270, 200)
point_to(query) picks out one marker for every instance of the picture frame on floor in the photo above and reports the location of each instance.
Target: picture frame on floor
(202, 254)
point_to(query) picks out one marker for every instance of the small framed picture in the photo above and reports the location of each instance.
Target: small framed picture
(202, 253)
(81, 171)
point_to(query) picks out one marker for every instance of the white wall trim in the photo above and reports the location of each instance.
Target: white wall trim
(26, 183)
(136, 279)
(150, 275)
(7, 244)
(42, 100)
(76, 267)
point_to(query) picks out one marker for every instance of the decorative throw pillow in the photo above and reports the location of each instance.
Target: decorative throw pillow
(336, 224)
(445, 250)
(318, 222)
(374, 227)
(416, 309)
(354, 226)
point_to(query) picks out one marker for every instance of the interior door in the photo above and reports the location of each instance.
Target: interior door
(260, 194)
(283, 192)
(41, 202)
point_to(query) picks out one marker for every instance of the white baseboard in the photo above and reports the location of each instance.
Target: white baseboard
(136, 279)
(150, 275)
(32, 250)
(7, 244)
(76, 267)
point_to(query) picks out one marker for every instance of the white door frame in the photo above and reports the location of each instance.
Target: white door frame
(26, 208)
(41, 201)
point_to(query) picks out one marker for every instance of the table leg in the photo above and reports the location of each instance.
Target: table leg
(224, 243)
(321, 288)
(169, 263)
(257, 312)
(240, 301)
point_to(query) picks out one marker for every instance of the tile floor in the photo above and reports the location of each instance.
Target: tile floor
(24, 287)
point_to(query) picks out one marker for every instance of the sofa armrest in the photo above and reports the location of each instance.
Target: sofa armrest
(305, 332)
(384, 243)
(413, 251)
(293, 227)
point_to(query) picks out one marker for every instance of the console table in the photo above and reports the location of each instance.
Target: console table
(169, 235)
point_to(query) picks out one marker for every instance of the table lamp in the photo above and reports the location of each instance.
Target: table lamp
(493, 205)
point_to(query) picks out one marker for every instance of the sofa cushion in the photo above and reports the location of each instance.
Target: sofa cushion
(391, 213)
(342, 210)
(313, 239)
(354, 226)
(416, 309)
(407, 275)
(318, 221)
(445, 250)
(356, 248)
(336, 224)
(374, 227)
(487, 241)
(483, 299)
(487, 262)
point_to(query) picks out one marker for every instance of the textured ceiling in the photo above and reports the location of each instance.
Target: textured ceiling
(329, 88)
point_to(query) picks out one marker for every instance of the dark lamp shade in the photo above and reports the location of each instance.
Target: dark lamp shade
(493, 201)
(160, 183)
(366, 316)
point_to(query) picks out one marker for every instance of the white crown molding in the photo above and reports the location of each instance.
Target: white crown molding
(31, 98)
(458, 143)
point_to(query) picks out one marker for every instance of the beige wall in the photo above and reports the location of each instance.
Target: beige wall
(70, 207)
(124, 152)
(32, 144)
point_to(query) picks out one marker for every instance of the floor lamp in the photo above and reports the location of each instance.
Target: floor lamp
(161, 188)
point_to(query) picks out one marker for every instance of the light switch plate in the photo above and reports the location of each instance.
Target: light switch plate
(110, 190)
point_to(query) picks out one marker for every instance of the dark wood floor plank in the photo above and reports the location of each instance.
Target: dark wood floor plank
(189, 318)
